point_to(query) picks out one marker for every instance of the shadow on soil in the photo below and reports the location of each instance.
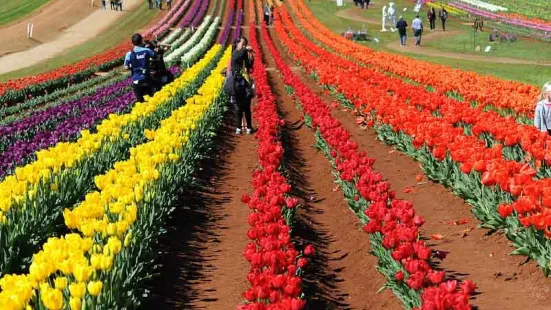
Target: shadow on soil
(319, 280)
(193, 225)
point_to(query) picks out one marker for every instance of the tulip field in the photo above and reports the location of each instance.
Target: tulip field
(368, 183)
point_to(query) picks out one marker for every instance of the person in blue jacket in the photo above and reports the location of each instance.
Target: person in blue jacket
(137, 61)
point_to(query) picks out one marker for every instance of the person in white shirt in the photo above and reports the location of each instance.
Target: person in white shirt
(417, 26)
(542, 115)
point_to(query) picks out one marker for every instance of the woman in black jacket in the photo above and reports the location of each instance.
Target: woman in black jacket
(241, 63)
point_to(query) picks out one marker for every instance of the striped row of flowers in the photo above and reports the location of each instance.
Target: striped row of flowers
(32, 198)
(471, 86)
(103, 263)
(209, 25)
(275, 262)
(18, 90)
(22, 110)
(404, 259)
(64, 121)
(494, 185)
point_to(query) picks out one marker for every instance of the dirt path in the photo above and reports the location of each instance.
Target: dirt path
(50, 21)
(505, 282)
(203, 263)
(342, 275)
(55, 42)
(354, 14)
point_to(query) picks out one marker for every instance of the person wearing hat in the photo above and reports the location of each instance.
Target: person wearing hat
(137, 61)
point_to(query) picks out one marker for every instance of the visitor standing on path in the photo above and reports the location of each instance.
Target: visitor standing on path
(443, 16)
(267, 14)
(150, 2)
(431, 15)
(137, 61)
(104, 4)
(169, 4)
(417, 26)
(542, 117)
(241, 63)
(402, 25)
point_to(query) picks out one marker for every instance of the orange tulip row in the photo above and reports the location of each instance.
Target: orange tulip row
(396, 110)
(485, 90)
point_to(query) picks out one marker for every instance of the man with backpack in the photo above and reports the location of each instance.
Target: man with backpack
(160, 76)
(137, 61)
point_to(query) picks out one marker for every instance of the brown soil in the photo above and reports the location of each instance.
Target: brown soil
(203, 263)
(342, 275)
(49, 22)
(504, 281)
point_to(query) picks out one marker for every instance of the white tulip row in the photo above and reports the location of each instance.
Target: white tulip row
(197, 50)
(173, 36)
(195, 38)
(484, 5)
(181, 39)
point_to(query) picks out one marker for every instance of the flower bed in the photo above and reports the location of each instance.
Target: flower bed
(32, 198)
(110, 250)
(475, 169)
(514, 97)
(275, 263)
(392, 224)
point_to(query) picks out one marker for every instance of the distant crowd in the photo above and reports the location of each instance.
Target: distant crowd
(117, 4)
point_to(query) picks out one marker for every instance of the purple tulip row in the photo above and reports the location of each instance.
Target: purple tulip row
(227, 27)
(490, 15)
(237, 32)
(200, 14)
(20, 152)
(191, 13)
(25, 128)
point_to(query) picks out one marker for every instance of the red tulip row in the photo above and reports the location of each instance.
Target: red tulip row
(486, 90)
(503, 129)
(391, 222)
(274, 260)
(18, 90)
(399, 109)
(478, 173)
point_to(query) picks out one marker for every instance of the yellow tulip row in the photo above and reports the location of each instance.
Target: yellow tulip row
(450, 9)
(51, 162)
(75, 265)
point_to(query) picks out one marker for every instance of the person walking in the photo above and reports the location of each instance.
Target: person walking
(150, 2)
(542, 117)
(169, 4)
(443, 16)
(120, 4)
(267, 14)
(240, 65)
(137, 61)
(402, 25)
(431, 16)
(417, 26)
(104, 5)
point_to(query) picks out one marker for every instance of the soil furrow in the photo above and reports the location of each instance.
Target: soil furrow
(342, 274)
(203, 265)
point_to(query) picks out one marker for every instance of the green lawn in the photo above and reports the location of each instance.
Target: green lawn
(120, 31)
(325, 10)
(11, 10)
